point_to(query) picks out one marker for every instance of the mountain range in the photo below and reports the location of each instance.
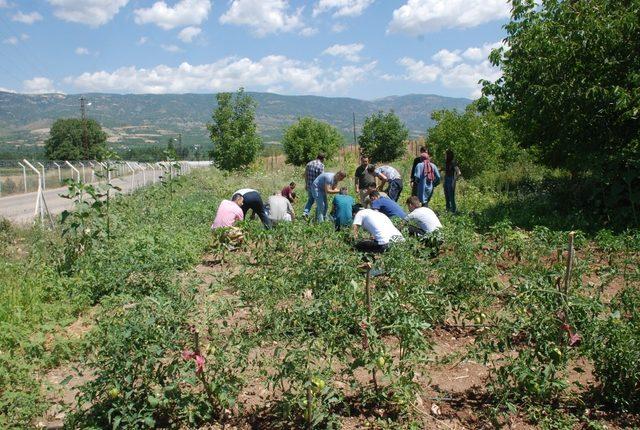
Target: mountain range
(135, 119)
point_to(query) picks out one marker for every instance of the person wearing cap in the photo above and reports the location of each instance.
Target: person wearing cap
(342, 210)
(252, 200)
(379, 226)
(388, 175)
(325, 184)
(313, 169)
(428, 178)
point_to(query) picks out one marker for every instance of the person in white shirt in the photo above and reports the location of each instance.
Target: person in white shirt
(380, 227)
(280, 209)
(422, 220)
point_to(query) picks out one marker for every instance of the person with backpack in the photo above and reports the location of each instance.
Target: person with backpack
(428, 178)
(451, 175)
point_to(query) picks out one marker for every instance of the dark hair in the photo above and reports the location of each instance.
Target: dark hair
(343, 190)
(374, 193)
(414, 200)
(423, 149)
(292, 184)
(356, 208)
(449, 159)
(321, 156)
(236, 196)
(371, 168)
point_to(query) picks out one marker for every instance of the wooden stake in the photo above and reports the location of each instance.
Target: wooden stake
(570, 255)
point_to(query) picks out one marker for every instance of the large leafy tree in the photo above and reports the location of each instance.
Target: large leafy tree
(233, 131)
(571, 88)
(480, 141)
(303, 140)
(67, 140)
(383, 137)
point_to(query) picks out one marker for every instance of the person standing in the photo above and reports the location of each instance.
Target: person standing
(280, 209)
(428, 178)
(342, 210)
(288, 192)
(363, 180)
(388, 174)
(252, 200)
(229, 211)
(313, 169)
(386, 205)
(451, 175)
(414, 180)
(380, 227)
(324, 184)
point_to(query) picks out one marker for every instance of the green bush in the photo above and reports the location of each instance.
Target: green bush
(304, 140)
(383, 137)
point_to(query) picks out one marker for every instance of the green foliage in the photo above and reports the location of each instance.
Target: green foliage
(570, 88)
(383, 137)
(67, 138)
(479, 141)
(236, 143)
(304, 140)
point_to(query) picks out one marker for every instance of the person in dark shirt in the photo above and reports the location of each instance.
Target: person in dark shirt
(288, 192)
(385, 205)
(451, 174)
(363, 179)
(414, 180)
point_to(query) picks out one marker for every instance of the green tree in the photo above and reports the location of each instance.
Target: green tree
(236, 142)
(383, 137)
(171, 148)
(571, 88)
(66, 140)
(480, 141)
(303, 140)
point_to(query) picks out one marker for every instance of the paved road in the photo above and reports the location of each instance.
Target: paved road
(20, 208)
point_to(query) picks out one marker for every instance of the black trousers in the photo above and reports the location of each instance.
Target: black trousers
(370, 246)
(253, 201)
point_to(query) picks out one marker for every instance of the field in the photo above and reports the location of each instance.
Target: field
(152, 321)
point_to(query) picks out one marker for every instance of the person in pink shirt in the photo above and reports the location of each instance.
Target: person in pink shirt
(229, 212)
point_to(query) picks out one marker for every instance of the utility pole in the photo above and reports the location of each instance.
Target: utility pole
(83, 115)
(355, 142)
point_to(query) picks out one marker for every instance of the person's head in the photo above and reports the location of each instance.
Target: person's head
(374, 195)
(340, 176)
(413, 202)
(371, 187)
(343, 191)
(371, 168)
(321, 156)
(238, 199)
(449, 156)
(292, 185)
(364, 160)
(423, 149)
(355, 209)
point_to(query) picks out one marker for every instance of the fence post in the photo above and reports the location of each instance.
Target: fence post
(74, 169)
(44, 176)
(59, 174)
(24, 176)
(133, 174)
(41, 205)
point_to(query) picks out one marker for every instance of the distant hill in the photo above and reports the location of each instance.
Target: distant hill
(149, 118)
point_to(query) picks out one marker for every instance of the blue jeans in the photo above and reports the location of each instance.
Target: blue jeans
(321, 206)
(450, 193)
(310, 200)
(394, 190)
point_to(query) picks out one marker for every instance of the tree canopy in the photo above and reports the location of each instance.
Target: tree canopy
(233, 131)
(383, 137)
(66, 140)
(303, 140)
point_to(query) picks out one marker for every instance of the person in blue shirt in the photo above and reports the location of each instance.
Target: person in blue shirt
(428, 178)
(386, 206)
(324, 184)
(342, 210)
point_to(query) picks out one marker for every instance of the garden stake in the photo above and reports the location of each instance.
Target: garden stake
(367, 291)
(570, 255)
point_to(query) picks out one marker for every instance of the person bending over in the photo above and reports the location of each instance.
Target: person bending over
(388, 174)
(342, 210)
(229, 211)
(386, 205)
(424, 224)
(252, 200)
(325, 184)
(367, 200)
(379, 226)
(288, 192)
(280, 209)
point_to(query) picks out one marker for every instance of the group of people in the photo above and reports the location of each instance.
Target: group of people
(377, 188)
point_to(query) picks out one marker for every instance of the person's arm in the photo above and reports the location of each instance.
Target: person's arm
(356, 183)
(355, 232)
(436, 172)
(291, 211)
(329, 190)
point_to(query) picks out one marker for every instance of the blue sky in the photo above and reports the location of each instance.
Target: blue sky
(353, 48)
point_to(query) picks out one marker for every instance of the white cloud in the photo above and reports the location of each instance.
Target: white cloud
(418, 71)
(82, 51)
(338, 27)
(263, 16)
(187, 34)
(142, 40)
(93, 13)
(452, 71)
(10, 40)
(6, 90)
(171, 48)
(342, 7)
(184, 12)
(422, 16)
(273, 72)
(481, 53)
(39, 85)
(447, 58)
(309, 31)
(4, 4)
(26, 18)
(348, 52)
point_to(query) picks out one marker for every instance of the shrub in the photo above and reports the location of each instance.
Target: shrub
(305, 139)
(383, 137)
